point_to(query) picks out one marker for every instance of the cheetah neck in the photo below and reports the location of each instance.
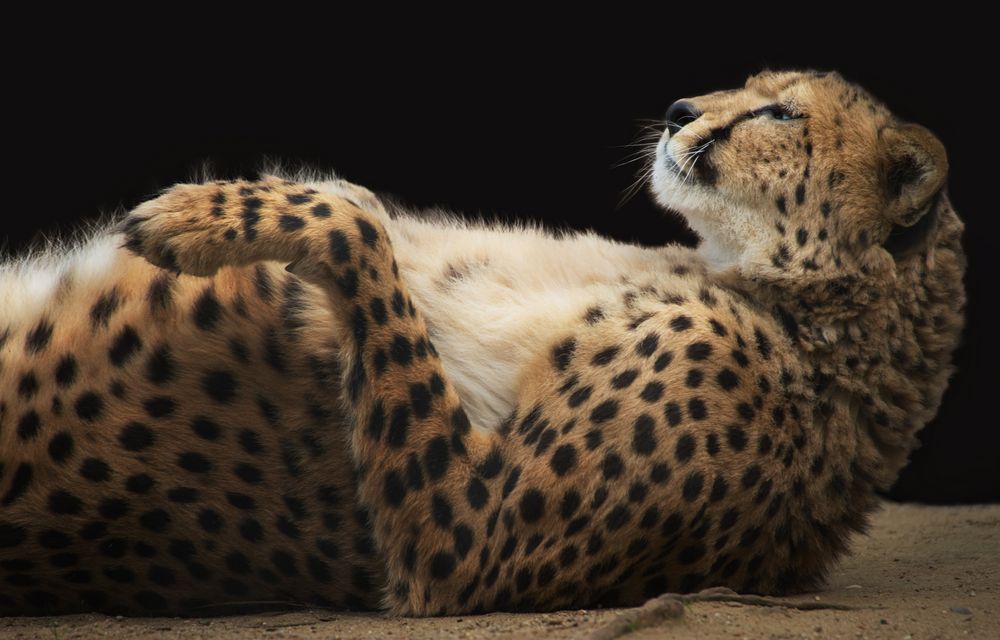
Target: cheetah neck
(876, 353)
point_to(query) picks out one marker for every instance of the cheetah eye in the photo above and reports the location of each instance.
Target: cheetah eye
(778, 112)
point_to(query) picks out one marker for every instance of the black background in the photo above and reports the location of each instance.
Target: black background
(526, 121)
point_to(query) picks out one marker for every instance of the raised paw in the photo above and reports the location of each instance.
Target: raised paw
(197, 229)
(180, 230)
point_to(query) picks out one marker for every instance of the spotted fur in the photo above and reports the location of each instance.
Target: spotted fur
(430, 417)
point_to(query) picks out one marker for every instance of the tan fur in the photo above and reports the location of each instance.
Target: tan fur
(642, 420)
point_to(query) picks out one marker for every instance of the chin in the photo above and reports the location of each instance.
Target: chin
(708, 215)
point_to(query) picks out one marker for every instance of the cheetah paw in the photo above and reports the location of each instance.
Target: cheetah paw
(165, 231)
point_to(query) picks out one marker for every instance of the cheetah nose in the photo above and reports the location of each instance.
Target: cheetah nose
(680, 114)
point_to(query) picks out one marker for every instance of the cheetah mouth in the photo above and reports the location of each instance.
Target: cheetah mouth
(692, 165)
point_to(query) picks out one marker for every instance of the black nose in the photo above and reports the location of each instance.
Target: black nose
(681, 113)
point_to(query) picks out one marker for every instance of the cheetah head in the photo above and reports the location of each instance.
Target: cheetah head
(800, 174)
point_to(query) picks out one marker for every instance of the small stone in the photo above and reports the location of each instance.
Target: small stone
(853, 586)
(965, 611)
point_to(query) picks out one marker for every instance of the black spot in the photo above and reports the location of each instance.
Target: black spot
(66, 371)
(399, 426)
(95, 470)
(624, 379)
(28, 426)
(593, 315)
(207, 310)
(64, 503)
(401, 350)
(692, 486)
(648, 345)
(477, 494)
(194, 462)
(89, 406)
(617, 518)
(662, 361)
(680, 323)
(442, 565)
(210, 520)
(659, 473)
(612, 466)
(241, 501)
(248, 473)
(672, 412)
(19, 483)
(205, 428)
(39, 337)
(740, 358)
(763, 344)
(699, 351)
(697, 409)
(114, 548)
(604, 411)
(694, 378)
(594, 438)
(652, 392)
(745, 410)
(125, 345)
(532, 505)
(251, 530)
(643, 436)
(510, 482)
(441, 511)
(686, 446)
(139, 483)
(27, 387)
(780, 203)
(219, 385)
(604, 356)
(420, 400)
(160, 366)
(712, 444)
(369, 235)
(800, 193)
(183, 495)
(748, 537)
(563, 459)
(321, 210)
(751, 476)
(289, 222)
(340, 248)
(104, 308)
(737, 437)
(136, 437)
(112, 508)
(491, 466)
(156, 520)
(727, 379)
(437, 457)
(562, 353)
(285, 525)
(159, 406)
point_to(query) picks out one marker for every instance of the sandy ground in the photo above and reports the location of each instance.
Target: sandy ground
(924, 572)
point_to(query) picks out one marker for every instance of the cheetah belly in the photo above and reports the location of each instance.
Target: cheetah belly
(494, 298)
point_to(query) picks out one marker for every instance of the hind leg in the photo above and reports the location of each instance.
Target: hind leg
(537, 514)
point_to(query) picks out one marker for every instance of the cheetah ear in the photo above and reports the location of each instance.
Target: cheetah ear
(914, 170)
(913, 176)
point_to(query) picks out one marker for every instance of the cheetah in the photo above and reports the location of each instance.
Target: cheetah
(290, 391)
